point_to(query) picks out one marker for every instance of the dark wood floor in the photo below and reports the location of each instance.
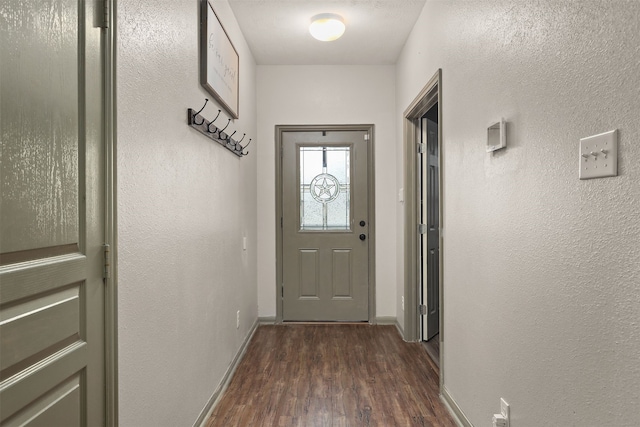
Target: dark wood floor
(332, 375)
(433, 349)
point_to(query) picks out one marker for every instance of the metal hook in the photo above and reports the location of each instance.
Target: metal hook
(199, 111)
(216, 117)
(243, 135)
(211, 122)
(231, 136)
(222, 130)
(243, 148)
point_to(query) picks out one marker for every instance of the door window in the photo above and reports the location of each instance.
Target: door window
(325, 188)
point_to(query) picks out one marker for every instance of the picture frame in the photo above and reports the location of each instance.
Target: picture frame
(219, 61)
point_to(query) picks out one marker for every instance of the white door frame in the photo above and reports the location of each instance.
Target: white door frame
(280, 129)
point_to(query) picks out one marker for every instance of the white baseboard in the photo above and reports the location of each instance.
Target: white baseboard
(386, 320)
(226, 379)
(455, 411)
(270, 320)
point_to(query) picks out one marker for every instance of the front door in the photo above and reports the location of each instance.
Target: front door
(325, 225)
(52, 213)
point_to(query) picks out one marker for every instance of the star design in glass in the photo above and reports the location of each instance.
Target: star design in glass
(325, 188)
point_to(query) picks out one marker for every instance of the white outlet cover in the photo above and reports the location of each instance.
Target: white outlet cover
(599, 155)
(504, 408)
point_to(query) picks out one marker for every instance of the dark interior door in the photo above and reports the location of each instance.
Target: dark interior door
(431, 217)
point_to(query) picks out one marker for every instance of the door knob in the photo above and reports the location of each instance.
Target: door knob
(363, 236)
(362, 223)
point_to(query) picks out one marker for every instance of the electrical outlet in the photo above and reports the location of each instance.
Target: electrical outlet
(238, 319)
(504, 410)
(402, 303)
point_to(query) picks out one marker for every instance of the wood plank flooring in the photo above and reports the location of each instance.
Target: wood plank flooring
(433, 349)
(332, 375)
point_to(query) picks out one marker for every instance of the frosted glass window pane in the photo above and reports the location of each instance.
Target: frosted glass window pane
(325, 188)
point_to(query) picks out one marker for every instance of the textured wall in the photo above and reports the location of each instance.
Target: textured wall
(542, 270)
(184, 204)
(327, 95)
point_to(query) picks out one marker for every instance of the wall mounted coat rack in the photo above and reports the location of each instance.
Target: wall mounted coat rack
(213, 132)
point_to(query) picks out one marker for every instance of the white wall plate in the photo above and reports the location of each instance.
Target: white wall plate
(599, 155)
(497, 136)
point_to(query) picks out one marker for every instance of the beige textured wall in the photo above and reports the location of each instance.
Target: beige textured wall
(328, 95)
(541, 270)
(184, 205)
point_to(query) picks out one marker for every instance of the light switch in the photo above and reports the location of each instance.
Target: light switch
(599, 155)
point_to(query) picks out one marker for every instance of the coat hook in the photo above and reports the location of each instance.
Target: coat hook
(222, 130)
(199, 111)
(218, 134)
(211, 122)
(243, 148)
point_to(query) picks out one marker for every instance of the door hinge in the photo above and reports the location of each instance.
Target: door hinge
(106, 273)
(422, 147)
(422, 228)
(282, 291)
(104, 16)
(281, 222)
(366, 136)
(422, 309)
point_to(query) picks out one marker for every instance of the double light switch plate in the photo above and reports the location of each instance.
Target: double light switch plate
(599, 155)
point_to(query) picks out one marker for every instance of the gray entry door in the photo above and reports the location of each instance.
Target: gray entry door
(325, 226)
(52, 365)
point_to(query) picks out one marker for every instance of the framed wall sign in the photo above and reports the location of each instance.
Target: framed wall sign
(219, 61)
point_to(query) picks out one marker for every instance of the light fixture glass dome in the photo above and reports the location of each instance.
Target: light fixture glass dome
(327, 27)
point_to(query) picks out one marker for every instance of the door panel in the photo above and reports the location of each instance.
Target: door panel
(430, 213)
(309, 286)
(342, 277)
(324, 196)
(51, 215)
(40, 58)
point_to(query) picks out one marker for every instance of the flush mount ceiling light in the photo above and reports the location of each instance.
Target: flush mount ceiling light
(327, 27)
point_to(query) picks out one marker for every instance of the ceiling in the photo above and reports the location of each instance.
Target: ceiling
(277, 31)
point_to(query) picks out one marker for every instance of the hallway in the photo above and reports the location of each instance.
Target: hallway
(138, 255)
(332, 375)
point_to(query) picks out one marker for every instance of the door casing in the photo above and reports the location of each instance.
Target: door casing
(279, 130)
(428, 96)
(110, 232)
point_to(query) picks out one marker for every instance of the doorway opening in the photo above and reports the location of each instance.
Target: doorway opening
(423, 287)
(429, 206)
(325, 223)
